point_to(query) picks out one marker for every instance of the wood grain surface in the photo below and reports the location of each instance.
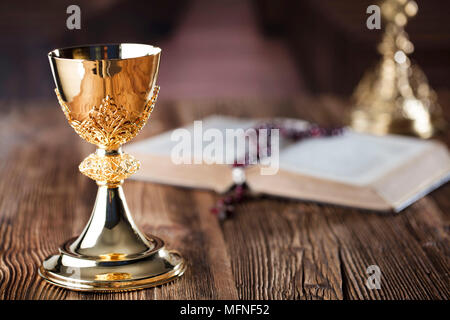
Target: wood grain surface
(271, 249)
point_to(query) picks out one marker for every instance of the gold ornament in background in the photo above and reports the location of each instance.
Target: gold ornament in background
(107, 93)
(395, 97)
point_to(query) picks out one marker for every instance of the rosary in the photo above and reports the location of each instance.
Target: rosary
(289, 130)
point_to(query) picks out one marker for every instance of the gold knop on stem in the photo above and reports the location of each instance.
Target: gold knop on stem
(109, 169)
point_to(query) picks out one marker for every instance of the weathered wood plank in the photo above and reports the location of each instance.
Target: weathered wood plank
(411, 267)
(283, 251)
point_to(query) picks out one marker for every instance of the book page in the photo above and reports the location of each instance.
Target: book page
(353, 158)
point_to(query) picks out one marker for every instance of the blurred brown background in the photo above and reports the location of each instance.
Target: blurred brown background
(248, 58)
(220, 48)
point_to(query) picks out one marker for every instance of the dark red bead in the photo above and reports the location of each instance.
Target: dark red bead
(228, 200)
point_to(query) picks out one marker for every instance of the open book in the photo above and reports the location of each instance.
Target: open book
(357, 170)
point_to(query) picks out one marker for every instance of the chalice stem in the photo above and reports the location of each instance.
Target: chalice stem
(111, 232)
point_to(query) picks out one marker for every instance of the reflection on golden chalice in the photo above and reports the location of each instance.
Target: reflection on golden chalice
(107, 93)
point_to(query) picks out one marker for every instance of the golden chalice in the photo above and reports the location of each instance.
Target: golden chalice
(107, 93)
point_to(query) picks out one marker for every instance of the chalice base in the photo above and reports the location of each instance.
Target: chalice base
(70, 271)
(111, 254)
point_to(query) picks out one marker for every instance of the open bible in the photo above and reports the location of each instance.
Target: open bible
(385, 173)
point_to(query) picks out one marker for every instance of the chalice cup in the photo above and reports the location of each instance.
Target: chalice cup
(107, 93)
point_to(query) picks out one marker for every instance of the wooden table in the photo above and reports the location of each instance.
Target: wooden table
(271, 249)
